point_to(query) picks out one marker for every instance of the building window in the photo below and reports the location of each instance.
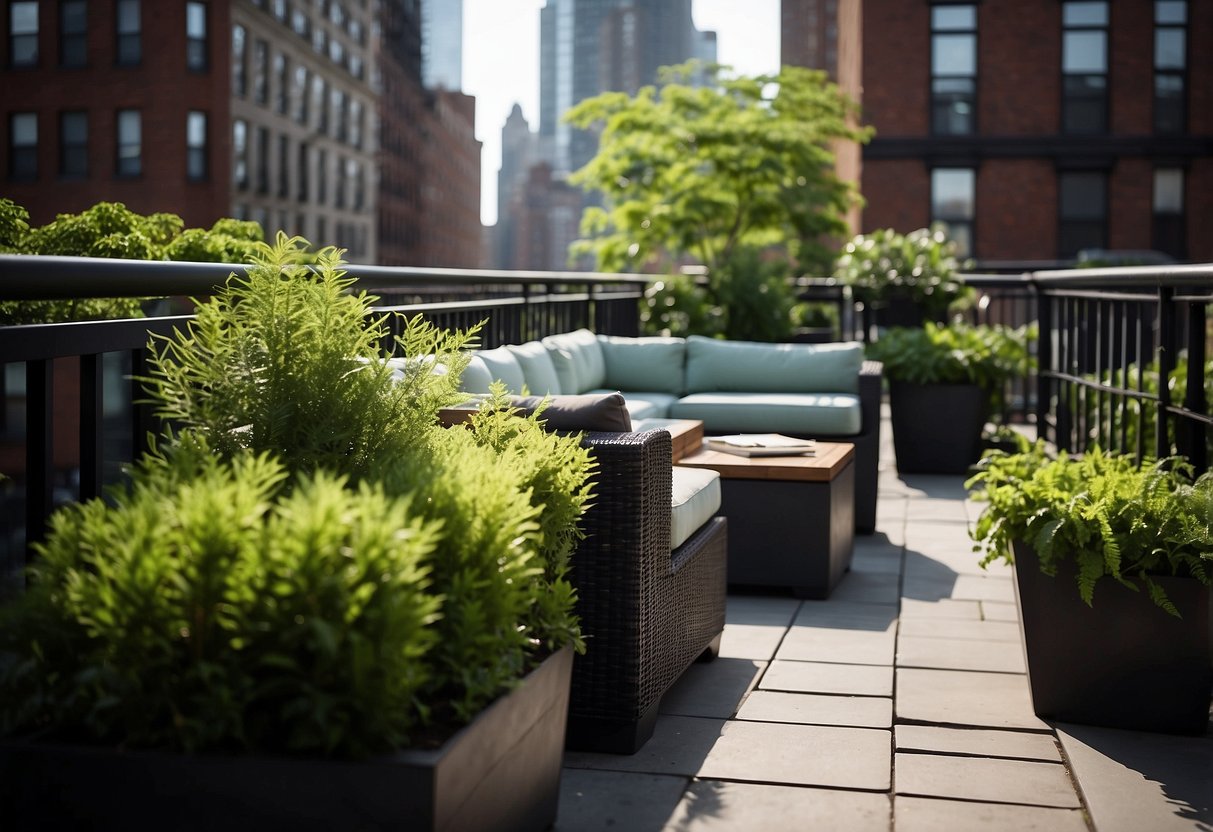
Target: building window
(23, 146)
(261, 71)
(359, 186)
(280, 11)
(356, 123)
(1170, 221)
(953, 197)
(1082, 212)
(23, 34)
(263, 160)
(305, 155)
(1084, 66)
(953, 69)
(284, 165)
(130, 143)
(301, 23)
(130, 33)
(195, 37)
(73, 144)
(1170, 65)
(322, 177)
(281, 78)
(339, 189)
(337, 101)
(195, 146)
(322, 110)
(239, 61)
(73, 34)
(240, 153)
(299, 94)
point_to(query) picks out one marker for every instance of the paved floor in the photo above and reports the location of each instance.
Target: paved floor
(900, 703)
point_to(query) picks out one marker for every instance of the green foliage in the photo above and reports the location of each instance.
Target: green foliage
(108, 229)
(922, 264)
(696, 172)
(210, 608)
(288, 361)
(1100, 510)
(227, 241)
(14, 225)
(961, 353)
(680, 305)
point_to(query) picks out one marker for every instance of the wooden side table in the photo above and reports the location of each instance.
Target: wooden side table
(791, 518)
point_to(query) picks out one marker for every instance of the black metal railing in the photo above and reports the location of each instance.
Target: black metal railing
(72, 415)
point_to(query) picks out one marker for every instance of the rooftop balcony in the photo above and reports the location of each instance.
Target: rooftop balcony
(901, 702)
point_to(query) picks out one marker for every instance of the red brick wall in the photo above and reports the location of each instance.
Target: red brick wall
(1016, 206)
(896, 66)
(897, 194)
(1018, 76)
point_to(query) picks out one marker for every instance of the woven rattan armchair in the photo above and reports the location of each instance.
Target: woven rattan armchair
(647, 612)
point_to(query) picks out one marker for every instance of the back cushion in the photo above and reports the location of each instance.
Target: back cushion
(537, 368)
(653, 365)
(577, 357)
(476, 377)
(752, 367)
(504, 367)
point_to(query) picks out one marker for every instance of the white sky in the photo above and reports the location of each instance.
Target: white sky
(501, 63)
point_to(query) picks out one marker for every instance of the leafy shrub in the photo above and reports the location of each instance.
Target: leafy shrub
(227, 241)
(211, 608)
(1100, 510)
(961, 353)
(921, 264)
(14, 225)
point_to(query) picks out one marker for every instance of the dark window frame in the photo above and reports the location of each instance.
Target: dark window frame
(73, 43)
(197, 156)
(1169, 229)
(25, 40)
(1171, 120)
(1072, 97)
(73, 155)
(197, 48)
(240, 154)
(22, 158)
(953, 222)
(1082, 226)
(240, 60)
(128, 165)
(128, 42)
(940, 106)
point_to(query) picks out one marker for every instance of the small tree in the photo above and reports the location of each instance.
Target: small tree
(708, 172)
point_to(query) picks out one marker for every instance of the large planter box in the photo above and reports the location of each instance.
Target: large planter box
(936, 427)
(1122, 662)
(501, 772)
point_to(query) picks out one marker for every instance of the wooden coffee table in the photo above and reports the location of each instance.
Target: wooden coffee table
(791, 518)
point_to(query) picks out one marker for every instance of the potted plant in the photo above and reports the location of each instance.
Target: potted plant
(311, 605)
(1112, 572)
(904, 279)
(944, 382)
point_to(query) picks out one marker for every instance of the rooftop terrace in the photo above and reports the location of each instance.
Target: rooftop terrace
(901, 703)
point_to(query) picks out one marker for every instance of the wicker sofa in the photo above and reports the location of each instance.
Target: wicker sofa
(811, 391)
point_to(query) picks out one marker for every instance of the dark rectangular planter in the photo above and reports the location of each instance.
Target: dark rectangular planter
(1122, 662)
(501, 772)
(936, 427)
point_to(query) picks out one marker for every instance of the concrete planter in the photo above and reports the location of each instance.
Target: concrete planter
(1122, 662)
(501, 772)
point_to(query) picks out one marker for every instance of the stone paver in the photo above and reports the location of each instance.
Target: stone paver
(952, 628)
(957, 697)
(612, 800)
(748, 641)
(868, 587)
(949, 608)
(977, 743)
(960, 654)
(679, 746)
(818, 709)
(999, 611)
(712, 689)
(845, 646)
(714, 805)
(978, 588)
(985, 779)
(811, 755)
(820, 677)
(920, 814)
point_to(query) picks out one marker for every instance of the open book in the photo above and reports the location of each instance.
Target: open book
(761, 444)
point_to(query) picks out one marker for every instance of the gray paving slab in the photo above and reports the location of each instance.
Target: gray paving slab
(811, 755)
(939, 608)
(989, 588)
(985, 779)
(959, 629)
(613, 800)
(958, 697)
(712, 689)
(679, 746)
(839, 645)
(749, 641)
(845, 614)
(999, 611)
(922, 814)
(760, 610)
(715, 805)
(975, 742)
(868, 587)
(817, 709)
(821, 677)
(1133, 780)
(960, 654)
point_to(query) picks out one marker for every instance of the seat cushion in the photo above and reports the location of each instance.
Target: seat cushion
(803, 414)
(476, 377)
(649, 363)
(537, 368)
(749, 366)
(645, 405)
(694, 500)
(577, 357)
(503, 367)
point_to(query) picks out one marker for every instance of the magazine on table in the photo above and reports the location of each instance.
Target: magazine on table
(761, 444)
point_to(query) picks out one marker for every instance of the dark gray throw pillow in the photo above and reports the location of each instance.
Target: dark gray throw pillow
(599, 411)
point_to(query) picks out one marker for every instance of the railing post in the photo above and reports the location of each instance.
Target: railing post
(39, 450)
(92, 406)
(1044, 358)
(1194, 432)
(1166, 363)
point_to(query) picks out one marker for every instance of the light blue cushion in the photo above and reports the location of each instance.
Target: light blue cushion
(646, 405)
(476, 377)
(804, 414)
(693, 502)
(503, 367)
(577, 357)
(749, 366)
(537, 368)
(650, 364)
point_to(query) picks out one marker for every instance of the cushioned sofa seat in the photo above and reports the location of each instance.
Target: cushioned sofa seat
(695, 498)
(822, 414)
(645, 405)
